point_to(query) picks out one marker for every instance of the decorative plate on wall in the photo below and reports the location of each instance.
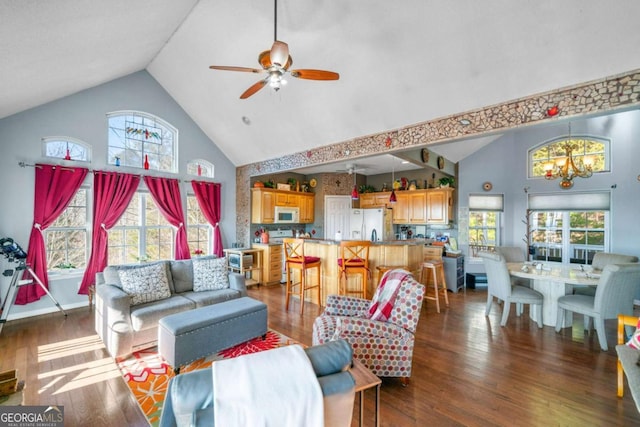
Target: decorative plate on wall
(424, 154)
(440, 162)
(487, 186)
(313, 183)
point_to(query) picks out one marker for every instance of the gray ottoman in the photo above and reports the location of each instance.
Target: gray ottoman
(194, 334)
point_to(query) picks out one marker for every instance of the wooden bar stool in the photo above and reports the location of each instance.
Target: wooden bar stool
(384, 268)
(433, 262)
(296, 260)
(354, 259)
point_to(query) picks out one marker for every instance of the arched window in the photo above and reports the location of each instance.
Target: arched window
(593, 148)
(199, 167)
(66, 148)
(142, 140)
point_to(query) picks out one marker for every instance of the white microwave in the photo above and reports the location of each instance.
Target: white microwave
(287, 215)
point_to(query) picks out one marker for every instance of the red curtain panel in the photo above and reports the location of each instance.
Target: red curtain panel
(208, 197)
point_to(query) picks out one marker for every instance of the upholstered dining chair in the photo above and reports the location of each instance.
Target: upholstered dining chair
(514, 254)
(600, 260)
(384, 346)
(295, 259)
(499, 286)
(618, 285)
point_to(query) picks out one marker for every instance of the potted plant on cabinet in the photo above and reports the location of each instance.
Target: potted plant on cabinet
(446, 181)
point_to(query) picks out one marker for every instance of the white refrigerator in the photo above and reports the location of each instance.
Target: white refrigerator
(363, 222)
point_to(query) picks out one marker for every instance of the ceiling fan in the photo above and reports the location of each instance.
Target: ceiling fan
(351, 168)
(276, 63)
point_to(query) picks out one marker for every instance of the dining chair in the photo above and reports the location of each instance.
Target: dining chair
(499, 286)
(617, 287)
(354, 259)
(295, 259)
(600, 260)
(514, 254)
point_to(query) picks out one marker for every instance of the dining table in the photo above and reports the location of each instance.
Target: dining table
(553, 280)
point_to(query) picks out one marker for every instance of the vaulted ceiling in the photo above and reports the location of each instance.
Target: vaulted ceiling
(400, 63)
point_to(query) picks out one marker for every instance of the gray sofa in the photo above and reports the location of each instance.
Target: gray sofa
(125, 328)
(189, 397)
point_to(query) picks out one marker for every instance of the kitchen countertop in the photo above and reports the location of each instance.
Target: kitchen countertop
(386, 242)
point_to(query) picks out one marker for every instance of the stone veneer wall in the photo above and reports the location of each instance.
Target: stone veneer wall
(605, 95)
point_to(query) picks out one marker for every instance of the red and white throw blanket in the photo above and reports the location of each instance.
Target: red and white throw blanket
(385, 296)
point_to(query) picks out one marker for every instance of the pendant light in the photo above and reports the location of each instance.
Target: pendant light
(354, 192)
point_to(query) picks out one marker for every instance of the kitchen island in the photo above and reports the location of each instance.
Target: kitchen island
(390, 253)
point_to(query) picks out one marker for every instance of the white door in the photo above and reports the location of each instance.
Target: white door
(337, 210)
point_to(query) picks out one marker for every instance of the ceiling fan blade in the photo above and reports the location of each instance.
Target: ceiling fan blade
(253, 89)
(245, 69)
(315, 74)
(279, 53)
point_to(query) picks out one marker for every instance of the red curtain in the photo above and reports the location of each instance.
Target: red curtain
(55, 187)
(112, 193)
(208, 196)
(166, 194)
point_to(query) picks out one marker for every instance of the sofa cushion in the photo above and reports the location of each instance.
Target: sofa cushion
(210, 274)
(111, 273)
(204, 298)
(148, 315)
(182, 275)
(145, 283)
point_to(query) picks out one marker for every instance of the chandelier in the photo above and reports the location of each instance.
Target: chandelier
(568, 168)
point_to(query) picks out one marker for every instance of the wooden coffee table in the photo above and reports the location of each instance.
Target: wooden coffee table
(365, 379)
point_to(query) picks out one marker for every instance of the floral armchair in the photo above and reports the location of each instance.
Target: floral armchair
(385, 347)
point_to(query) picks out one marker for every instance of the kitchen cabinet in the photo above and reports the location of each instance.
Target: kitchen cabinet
(375, 200)
(411, 207)
(287, 198)
(262, 206)
(271, 262)
(306, 208)
(439, 204)
(264, 201)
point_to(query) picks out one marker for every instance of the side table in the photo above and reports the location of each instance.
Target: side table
(365, 379)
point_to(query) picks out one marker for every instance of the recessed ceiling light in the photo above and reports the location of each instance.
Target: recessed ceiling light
(246, 120)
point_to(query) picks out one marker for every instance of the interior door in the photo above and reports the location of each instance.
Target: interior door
(337, 211)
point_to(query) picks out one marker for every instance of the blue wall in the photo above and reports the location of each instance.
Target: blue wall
(83, 116)
(504, 164)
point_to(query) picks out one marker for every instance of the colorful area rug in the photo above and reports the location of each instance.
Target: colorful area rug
(147, 374)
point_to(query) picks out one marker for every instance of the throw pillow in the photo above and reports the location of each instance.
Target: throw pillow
(210, 274)
(634, 341)
(146, 283)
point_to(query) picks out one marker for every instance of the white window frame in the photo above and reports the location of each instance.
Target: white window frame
(71, 145)
(196, 245)
(53, 270)
(207, 169)
(479, 203)
(130, 148)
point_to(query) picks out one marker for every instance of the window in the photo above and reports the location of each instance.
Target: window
(66, 240)
(484, 222)
(141, 234)
(596, 149)
(136, 138)
(64, 147)
(198, 229)
(200, 167)
(568, 237)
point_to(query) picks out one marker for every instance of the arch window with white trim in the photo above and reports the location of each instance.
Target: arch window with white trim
(593, 149)
(142, 140)
(200, 167)
(66, 148)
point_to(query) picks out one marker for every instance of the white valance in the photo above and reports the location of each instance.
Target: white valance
(486, 202)
(575, 201)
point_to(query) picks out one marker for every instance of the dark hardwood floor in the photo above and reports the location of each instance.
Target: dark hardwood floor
(467, 370)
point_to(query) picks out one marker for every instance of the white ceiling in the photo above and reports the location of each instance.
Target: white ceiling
(400, 63)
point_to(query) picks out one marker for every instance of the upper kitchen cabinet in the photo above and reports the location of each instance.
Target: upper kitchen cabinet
(306, 208)
(262, 206)
(439, 206)
(374, 200)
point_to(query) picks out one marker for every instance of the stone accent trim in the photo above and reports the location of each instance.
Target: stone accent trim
(609, 94)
